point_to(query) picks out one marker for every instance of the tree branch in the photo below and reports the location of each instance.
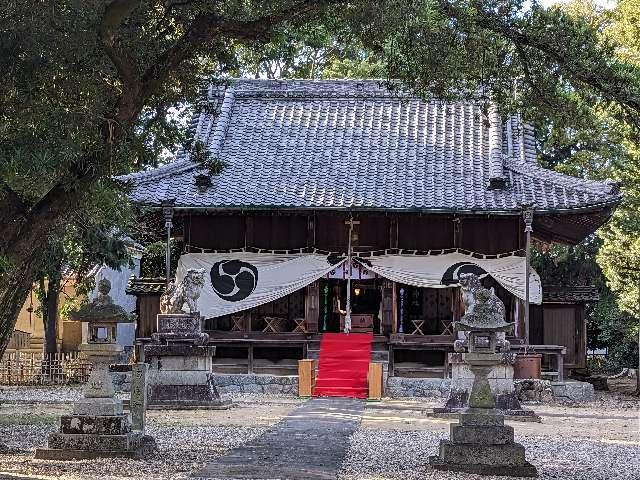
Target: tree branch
(209, 27)
(12, 211)
(600, 79)
(115, 13)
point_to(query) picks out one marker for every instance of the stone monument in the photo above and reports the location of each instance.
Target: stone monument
(481, 443)
(180, 373)
(98, 427)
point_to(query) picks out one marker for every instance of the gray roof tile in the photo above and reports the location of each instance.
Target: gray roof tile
(356, 145)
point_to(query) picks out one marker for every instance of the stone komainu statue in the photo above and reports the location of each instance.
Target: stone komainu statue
(188, 291)
(482, 310)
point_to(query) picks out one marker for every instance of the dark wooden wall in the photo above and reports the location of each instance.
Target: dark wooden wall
(375, 231)
(561, 324)
(564, 324)
(147, 308)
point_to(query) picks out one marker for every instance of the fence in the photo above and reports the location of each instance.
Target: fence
(26, 368)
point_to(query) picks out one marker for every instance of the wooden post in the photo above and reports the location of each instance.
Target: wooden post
(375, 381)
(528, 222)
(387, 308)
(250, 359)
(312, 307)
(305, 377)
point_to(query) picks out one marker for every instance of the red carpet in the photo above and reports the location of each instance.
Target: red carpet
(344, 365)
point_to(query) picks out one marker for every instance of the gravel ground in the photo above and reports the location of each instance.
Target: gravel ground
(596, 441)
(44, 395)
(182, 449)
(187, 440)
(402, 454)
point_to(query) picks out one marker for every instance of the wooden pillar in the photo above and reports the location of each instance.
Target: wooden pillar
(528, 220)
(248, 232)
(250, 359)
(311, 230)
(560, 366)
(387, 307)
(312, 307)
(393, 232)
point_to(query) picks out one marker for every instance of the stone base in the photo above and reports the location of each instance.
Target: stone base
(70, 446)
(526, 470)
(452, 410)
(190, 405)
(97, 406)
(507, 403)
(95, 424)
(481, 443)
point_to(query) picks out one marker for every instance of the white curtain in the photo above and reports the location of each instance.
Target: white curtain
(440, 271)
(242, 280)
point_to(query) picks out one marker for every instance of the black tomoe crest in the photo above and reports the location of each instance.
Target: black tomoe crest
(453, 273)
(233, 280)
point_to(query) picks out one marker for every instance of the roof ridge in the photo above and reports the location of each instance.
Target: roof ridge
(572, 183)
(178, 166)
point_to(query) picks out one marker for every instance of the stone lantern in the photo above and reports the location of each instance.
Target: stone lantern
(481, 443)
(98, 427)
(102, 317)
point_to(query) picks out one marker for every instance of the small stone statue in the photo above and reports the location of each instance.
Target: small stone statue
(188, 291)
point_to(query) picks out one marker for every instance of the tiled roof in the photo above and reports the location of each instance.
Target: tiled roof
(356, 145)
(145, 286)
(570, 294)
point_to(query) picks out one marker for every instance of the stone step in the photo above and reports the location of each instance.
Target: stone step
(509, 454)
(485, 435)
(480, 418)
(99, 443)
(95, 424)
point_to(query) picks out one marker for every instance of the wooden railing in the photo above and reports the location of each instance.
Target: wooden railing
(26, 368)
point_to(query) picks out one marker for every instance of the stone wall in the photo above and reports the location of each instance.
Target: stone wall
(398, 387)
(569, 392)
(572, 392)
(232, 384)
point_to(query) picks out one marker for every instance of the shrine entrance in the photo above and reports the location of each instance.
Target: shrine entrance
(366, 298)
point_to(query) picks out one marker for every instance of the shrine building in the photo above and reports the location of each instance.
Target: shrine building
(345, 199)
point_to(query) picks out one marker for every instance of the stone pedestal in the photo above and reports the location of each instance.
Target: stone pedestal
(180, 327)
(97, 427)
(481, 443)
(500, 379)
(180, 366)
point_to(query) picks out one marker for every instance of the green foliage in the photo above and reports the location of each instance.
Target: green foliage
(153, 262)
(568, 265)
(615, 330)
(201, 154)
(597, 141)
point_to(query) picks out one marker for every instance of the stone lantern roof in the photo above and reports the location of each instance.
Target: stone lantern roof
(102, 309)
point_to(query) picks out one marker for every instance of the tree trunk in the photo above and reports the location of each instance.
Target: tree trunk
(14, 288)
(50, 311)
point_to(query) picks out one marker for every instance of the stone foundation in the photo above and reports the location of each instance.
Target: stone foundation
(572, 392)
(232, 384)
(180, 377)
(547, 392)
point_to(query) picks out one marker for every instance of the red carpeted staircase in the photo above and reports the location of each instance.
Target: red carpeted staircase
(343, 365)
